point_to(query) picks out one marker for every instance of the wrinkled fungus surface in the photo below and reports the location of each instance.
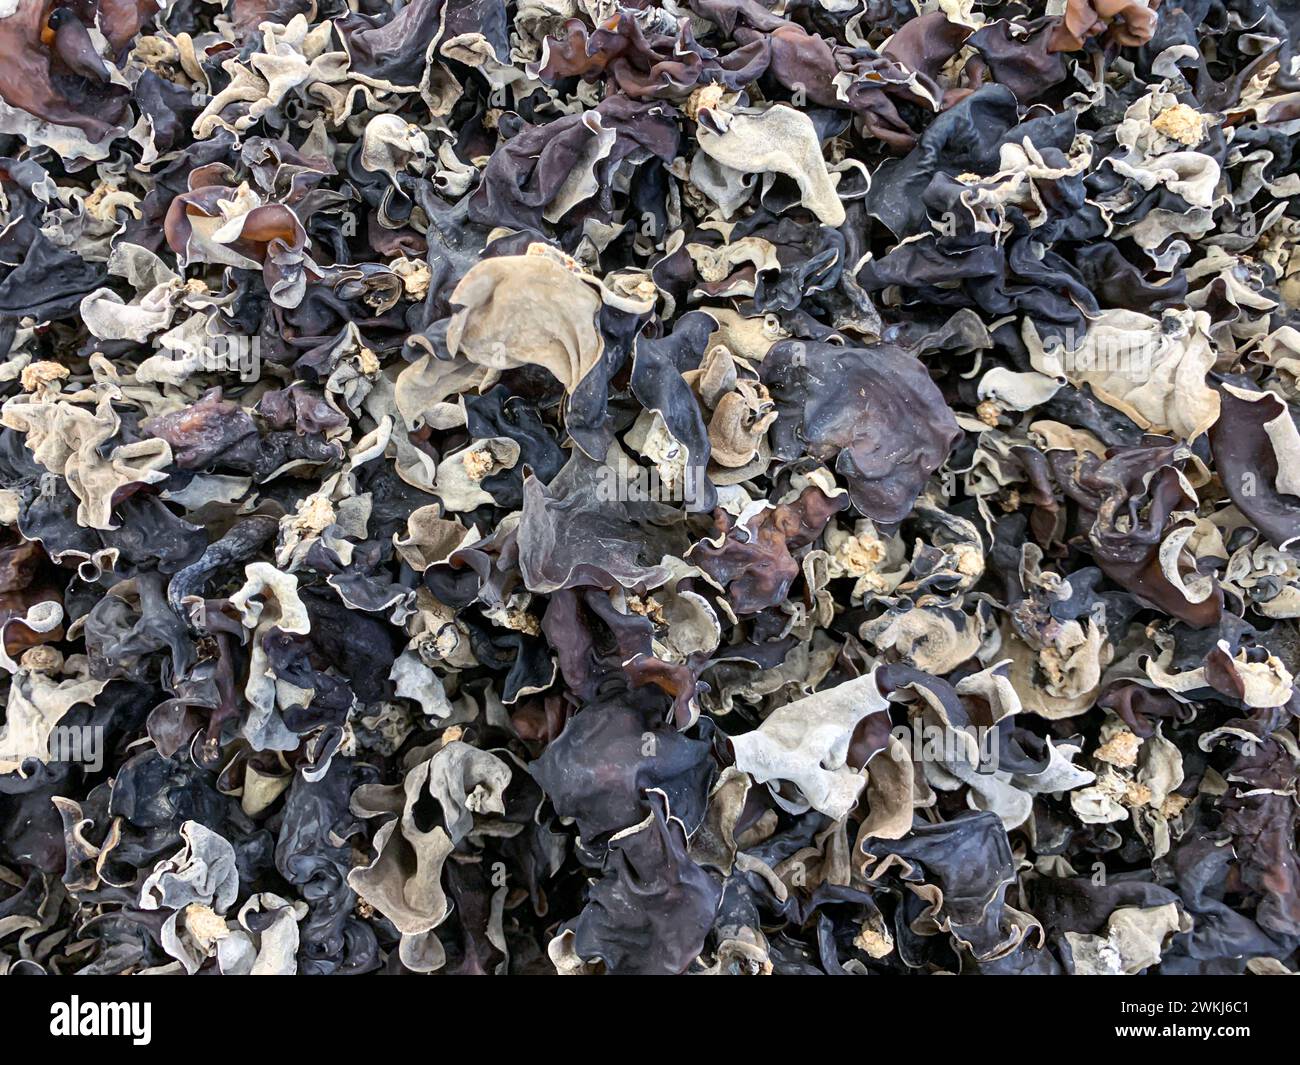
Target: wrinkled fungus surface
(664, 487)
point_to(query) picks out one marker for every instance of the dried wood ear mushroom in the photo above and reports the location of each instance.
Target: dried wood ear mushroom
(689, 487)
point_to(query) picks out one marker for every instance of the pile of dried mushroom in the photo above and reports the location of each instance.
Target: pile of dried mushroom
(698, 486)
